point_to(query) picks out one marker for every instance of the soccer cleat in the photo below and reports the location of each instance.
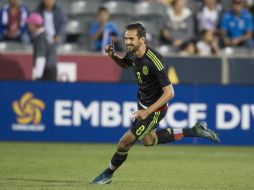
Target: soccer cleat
(104, 178)
(203, 131)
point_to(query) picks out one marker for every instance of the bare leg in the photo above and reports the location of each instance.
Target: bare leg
(124, 145)
(126, 142)
(149, 139)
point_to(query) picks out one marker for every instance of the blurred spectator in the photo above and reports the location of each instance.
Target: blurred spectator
(165, 2)
(208, 45)
(103, 30)
(13, 25)
(54, 20)
(249, 5)
(209, 15)
(180, 27)
(188, 48)
(44, 53)
(237, 26)
(251, 8)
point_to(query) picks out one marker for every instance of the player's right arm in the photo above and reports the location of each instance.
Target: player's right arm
(117, 58)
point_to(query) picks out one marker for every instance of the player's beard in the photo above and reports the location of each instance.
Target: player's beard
(133, 48)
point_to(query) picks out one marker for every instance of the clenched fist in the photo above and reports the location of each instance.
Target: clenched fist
(110, 49)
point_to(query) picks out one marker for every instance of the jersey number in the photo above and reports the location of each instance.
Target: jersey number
(139, 77)
(140, 130)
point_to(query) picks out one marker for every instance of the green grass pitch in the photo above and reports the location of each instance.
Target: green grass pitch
(59, 166)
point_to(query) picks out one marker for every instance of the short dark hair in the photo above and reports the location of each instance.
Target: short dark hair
(141, 31)
(102, 8)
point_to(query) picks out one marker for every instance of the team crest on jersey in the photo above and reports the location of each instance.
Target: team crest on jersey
(145, 70)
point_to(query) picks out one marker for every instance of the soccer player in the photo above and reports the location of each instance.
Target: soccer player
(155, 90)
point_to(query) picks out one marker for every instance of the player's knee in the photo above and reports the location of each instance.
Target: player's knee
(126, 142)
(147, 142)
(124, 145)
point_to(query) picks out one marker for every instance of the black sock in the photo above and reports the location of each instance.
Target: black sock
(164, 136)
(117, 160)
(189, 132)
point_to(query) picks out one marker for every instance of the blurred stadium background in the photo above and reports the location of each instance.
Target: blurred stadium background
(41, 121)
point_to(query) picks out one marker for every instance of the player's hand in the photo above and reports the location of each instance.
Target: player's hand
(141, 114)
(110, 49)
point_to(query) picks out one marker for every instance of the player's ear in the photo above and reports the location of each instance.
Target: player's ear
(142, 39)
